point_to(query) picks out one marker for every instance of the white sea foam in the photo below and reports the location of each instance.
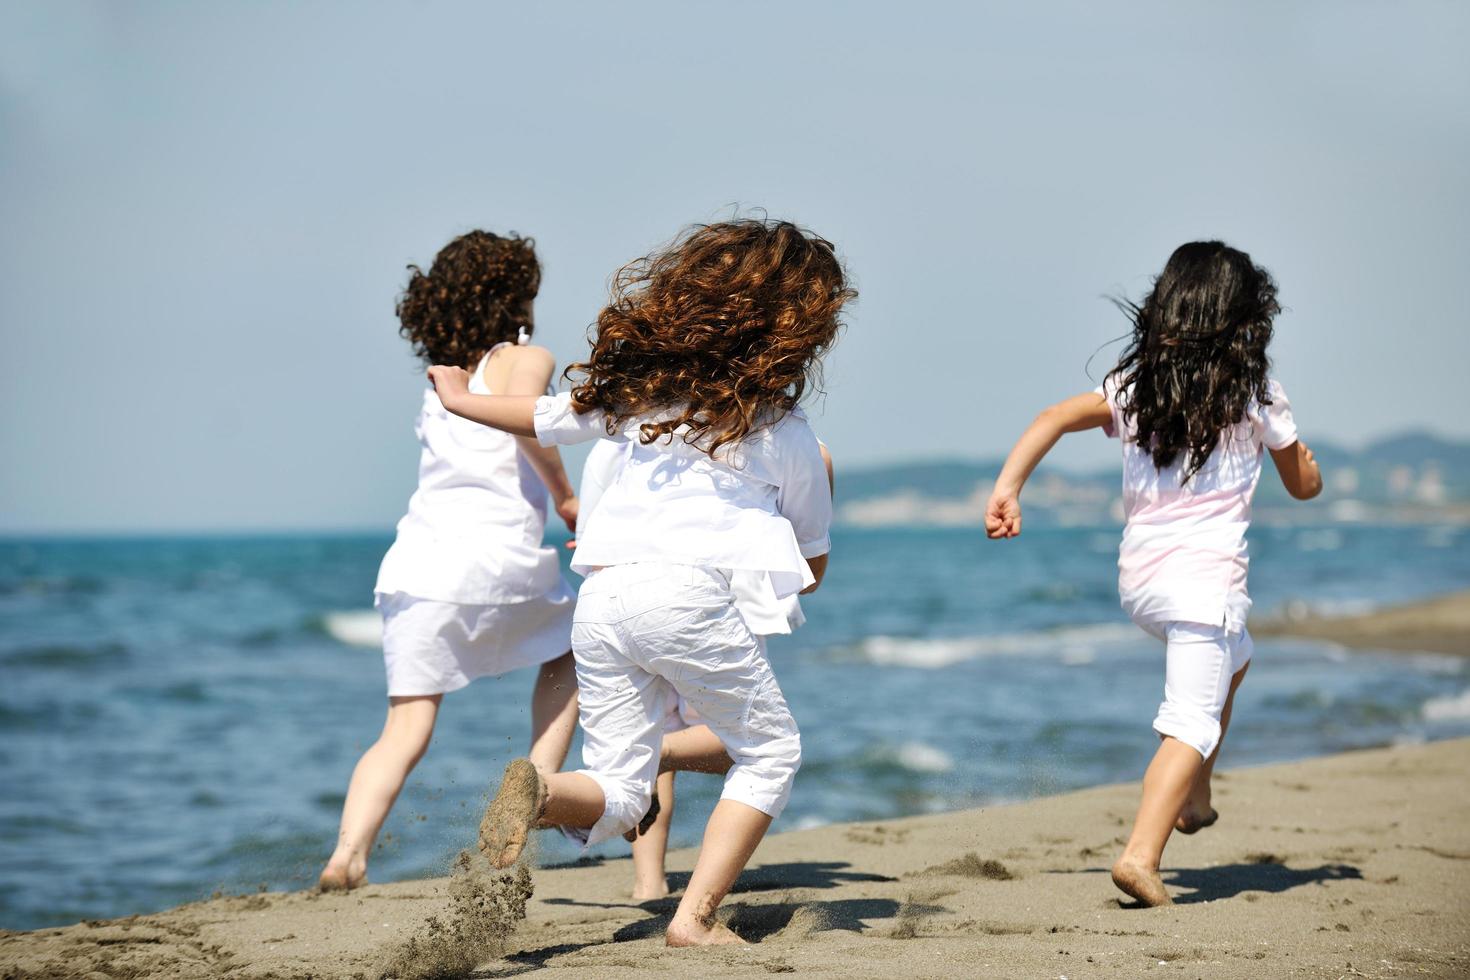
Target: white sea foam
(1456, 708)
(355, 627)
(1072, 645)
(919, 757)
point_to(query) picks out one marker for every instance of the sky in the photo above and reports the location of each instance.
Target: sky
(206, 211)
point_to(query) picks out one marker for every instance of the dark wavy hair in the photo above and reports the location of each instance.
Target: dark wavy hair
(473, 297)
(1198, 352)
(719, 333)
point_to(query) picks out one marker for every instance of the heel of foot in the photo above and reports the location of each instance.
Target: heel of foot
(1143, 884)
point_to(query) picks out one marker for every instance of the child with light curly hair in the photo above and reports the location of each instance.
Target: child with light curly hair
(468, 588)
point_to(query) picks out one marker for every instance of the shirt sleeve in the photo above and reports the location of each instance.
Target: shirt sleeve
(804, 498)
(1276, 425)
(1104, 391)
(558, 424)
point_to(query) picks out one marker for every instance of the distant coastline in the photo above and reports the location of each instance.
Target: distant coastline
(1438, 625)
(1412, 478)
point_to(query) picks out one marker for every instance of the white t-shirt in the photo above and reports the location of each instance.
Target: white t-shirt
(755, 600)
(1183, 556)
(763, 505)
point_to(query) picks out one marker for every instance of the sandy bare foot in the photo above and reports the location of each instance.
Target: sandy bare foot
(1141, 883)
(511, 816)
(1192, 820)
(698, 934)
(342, 876)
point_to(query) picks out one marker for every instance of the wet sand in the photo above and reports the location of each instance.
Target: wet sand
(1356, 865)
(1439, 625)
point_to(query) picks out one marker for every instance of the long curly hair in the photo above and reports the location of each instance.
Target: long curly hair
(474, 296)
(1197, 356)
(717, 335)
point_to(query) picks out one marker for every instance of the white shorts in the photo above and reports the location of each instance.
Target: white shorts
(681, 714)
(433, 647)
(1200, 662)
(647, 633)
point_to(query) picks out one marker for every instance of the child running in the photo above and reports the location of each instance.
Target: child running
(688, 744)
(700, 361)
(468, 588)
(1193, 405)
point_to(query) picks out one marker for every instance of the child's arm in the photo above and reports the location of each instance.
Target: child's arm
(509, 413)
(530, 373)
(1298, 470)
(1003, 513)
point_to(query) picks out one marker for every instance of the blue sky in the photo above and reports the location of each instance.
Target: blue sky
(208, 209)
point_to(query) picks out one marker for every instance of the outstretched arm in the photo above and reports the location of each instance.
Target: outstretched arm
(509, 413)
(1298, 470)
(1003, 513)
(530, 373)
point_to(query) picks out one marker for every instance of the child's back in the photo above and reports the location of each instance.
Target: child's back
(759, 505)
(1183, 555)
(474, 527)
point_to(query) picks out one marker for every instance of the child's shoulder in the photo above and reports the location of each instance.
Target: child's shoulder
(527, 354)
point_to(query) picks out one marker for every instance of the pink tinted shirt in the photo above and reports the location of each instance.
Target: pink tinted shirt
(1183, 556)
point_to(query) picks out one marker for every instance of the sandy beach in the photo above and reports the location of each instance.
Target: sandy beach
(1438, 625)
(1356, 865)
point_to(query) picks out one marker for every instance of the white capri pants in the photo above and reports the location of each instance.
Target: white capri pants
(1201, 660)
(646, 633)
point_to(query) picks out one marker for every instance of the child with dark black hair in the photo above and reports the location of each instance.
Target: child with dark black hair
(1195, 409)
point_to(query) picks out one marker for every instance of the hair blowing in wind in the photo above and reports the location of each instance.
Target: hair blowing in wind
(1197, 356)
(717, 334)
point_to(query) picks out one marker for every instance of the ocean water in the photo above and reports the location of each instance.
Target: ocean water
(180, 716)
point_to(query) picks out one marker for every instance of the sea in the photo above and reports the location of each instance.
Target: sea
(179, 716)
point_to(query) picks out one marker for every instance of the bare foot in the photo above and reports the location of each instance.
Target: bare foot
(343, 874)
(513, 813)
(1194, 819)
(1141, 883)
(692, 932)
(645, 823)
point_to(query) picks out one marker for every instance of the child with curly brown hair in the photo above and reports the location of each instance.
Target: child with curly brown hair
(688, 744)
(468, 588)
(700, 361)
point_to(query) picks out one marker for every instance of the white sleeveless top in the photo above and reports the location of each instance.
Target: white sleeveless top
(473, 529)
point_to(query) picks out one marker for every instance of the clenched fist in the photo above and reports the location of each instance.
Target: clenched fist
(449, 382)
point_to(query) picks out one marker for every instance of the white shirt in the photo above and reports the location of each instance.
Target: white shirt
(1183, 556)
(755, 599)
(473, 529)
(763, 505)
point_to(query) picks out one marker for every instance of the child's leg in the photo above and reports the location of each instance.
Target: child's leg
(553, 713)
(694, 749)
(621, 708)
(649, 878)
(1166, 784)
(730, 684)
(1197, 813)
(376, 783)
(1196, 686)
(730, 838)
